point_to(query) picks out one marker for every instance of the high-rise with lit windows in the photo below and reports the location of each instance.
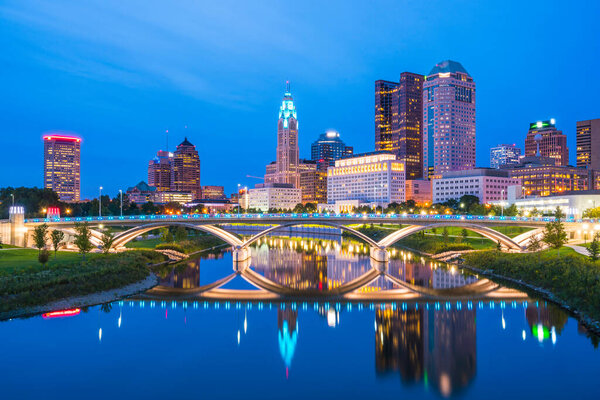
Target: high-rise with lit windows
(328, 148)
(398, 120)
(186, 170)
(62, 166)
(588, 144)
(288, 154)
(448, 118)
(543, 139)
(160, 171)
(504, 155)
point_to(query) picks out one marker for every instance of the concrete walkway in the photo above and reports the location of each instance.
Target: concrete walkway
(579, 249)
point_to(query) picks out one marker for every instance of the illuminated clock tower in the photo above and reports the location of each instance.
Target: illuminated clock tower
(287, 142)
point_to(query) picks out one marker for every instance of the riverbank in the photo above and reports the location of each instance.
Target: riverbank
(570, 281)
(25, 284)
(89, 300)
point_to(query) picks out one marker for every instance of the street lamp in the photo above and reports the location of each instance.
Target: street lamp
(121, 195)
(502, 202)
(13, 198)
(239, 205)
(100, 203)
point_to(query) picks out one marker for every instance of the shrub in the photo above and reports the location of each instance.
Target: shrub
(170, 246)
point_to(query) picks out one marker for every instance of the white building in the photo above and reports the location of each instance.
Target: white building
(572, 204)
(274, 195)
(370, 178)
(485, 183)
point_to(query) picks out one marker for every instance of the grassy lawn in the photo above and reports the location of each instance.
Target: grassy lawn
(144, 244)
(19, 260)
(25, 282)
(512, 231)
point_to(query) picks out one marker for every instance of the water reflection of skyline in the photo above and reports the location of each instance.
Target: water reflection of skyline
(435, 347)
(324, 265)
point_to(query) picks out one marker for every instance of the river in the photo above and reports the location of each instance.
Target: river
(420, 330)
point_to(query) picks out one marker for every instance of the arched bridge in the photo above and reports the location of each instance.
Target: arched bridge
(17, 228)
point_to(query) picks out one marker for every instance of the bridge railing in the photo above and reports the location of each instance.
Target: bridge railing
(307, 216)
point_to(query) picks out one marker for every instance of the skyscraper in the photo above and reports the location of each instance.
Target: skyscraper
(407, 122)
(543, 137)
(328, 148)
(186, 170)
(288, 157)
(448, 118)
(62, 166)
(398, 120)
(504, 155)
(384, 110)
(588, 144)
(160, 171)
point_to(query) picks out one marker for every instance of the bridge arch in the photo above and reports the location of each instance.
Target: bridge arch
(124, 237)
(482, 230)
(356, 233)
(95, 239)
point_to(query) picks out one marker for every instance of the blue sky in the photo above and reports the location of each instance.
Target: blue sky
(121, 73)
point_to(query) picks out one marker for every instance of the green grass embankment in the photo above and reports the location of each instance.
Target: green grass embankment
(24, 282)
(572, 279)
(430, 241)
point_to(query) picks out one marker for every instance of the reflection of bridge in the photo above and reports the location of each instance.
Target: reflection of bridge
(16, 228)
(268, 290)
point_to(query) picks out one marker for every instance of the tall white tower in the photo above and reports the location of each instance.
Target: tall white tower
(288, 157)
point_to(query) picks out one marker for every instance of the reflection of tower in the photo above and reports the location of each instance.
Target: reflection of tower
(287, 323)
(545, 321)
(450, 349)
(399, 343)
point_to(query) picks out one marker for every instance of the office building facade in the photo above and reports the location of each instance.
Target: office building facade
(62, 166)
(281, 196)
(186, 170)
(504, 155)
(398, 120)
(160, 171)
(213, 192)
(588, 144)
(543, 139)
(376, 177)
(328, 148)
(448, 119)
(485, 183)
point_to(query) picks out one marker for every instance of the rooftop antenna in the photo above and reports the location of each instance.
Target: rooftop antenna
(287, 86)
(167, 132)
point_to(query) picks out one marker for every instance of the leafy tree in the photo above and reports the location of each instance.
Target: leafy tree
(310, 207)
(43, 257)
(464, 234)
(83, 238)
(56, 237)
(592, 213)
(180, 234)
(445, 235)
(554, 233)
(166, 235)
(535, 245)
(498, 246)
(40, 236)
(594, 249)
(107, 242)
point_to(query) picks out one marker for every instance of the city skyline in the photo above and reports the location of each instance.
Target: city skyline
(109, 99)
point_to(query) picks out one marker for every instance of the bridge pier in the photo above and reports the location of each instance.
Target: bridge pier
(240, 254)
(379, 254)
(14, 231)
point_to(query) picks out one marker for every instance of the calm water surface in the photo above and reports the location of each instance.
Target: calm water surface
(310, 347)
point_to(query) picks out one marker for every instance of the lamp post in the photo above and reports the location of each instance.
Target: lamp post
(13, 198)
(502, 202)
(239, 205)
(121, 195)
(100, 202)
